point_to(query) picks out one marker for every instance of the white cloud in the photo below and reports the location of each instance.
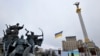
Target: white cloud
(52, 16)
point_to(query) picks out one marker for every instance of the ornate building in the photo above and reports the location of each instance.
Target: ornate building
(70, 43)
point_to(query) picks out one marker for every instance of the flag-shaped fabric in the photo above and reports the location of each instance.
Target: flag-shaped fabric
(59, 34)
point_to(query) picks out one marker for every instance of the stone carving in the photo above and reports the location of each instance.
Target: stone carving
(15, 46)
(33, 39)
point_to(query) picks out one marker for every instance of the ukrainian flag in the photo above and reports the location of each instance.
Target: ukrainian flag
(59, 34)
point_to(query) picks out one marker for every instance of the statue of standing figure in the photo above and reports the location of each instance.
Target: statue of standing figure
(15, 28)
(33, 40)
(6, 43)
(10, 36)
(21, 44)
(13, 31)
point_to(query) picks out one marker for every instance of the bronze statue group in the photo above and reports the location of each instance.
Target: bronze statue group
(13, 45)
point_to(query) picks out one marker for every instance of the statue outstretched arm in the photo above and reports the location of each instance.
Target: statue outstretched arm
(27, 31)
(20, 27)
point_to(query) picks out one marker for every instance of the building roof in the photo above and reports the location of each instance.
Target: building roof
(71, 37)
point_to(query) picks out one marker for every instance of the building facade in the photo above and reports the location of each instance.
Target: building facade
(70, 43)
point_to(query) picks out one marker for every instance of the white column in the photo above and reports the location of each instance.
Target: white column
(83, 26)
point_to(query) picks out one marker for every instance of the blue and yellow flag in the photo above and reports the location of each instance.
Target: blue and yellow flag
(59, 34)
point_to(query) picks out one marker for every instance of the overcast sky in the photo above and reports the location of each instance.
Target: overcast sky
(52, 16)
